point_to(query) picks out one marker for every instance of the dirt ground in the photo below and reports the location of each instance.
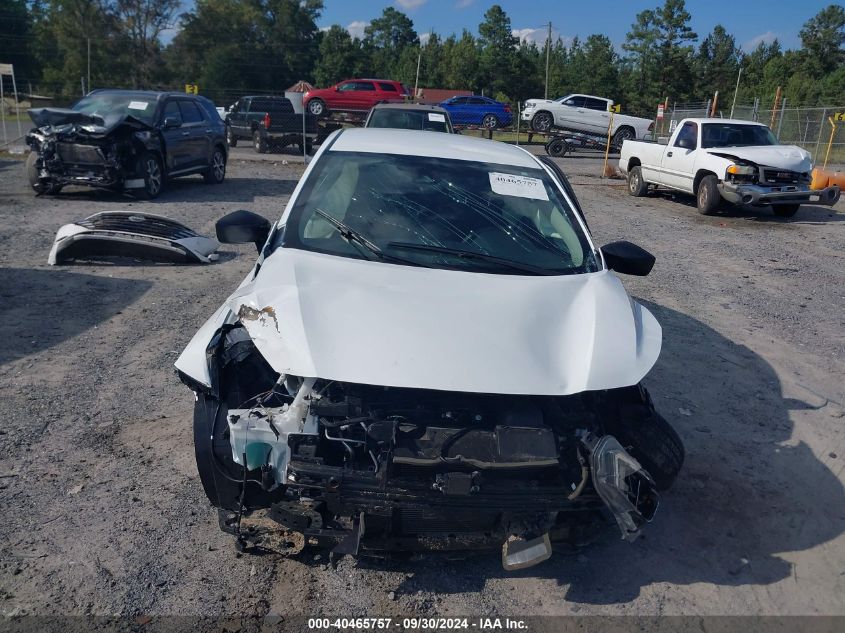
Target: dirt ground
(102, 512)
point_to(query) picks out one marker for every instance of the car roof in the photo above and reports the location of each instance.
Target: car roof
(409, 106)
(149, 94)
(718, 120)
(431, 144)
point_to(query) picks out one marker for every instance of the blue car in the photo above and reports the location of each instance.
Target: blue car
(482, 111)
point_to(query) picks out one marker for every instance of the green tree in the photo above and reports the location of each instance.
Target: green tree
(823, 37)
(16, 43)
(639, 67)
(386, 38)
(462, 70)
(141, 24)
(340, 56)
(717, 63)
(498, 50)
(597, 64)
(675, 55)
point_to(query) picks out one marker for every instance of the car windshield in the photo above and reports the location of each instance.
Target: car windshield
(736, 134)
(438, 213)
(113, 105)
(408, 119)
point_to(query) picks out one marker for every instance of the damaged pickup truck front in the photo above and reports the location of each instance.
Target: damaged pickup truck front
(430, 353)
(124, 140)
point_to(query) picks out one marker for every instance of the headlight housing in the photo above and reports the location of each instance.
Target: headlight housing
(745, 173)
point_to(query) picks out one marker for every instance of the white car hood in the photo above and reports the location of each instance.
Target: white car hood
(789, 157)
(336, 318)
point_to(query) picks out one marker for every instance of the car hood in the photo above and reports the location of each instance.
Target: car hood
(336, 318)
(789, 157)
(58, 120)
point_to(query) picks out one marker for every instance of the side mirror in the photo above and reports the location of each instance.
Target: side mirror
(242, 227)
(337, 88)
(171, 122)
(686, 143)
(627, 258)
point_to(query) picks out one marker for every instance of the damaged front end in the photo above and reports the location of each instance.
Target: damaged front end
(360, 468)
(73, 148)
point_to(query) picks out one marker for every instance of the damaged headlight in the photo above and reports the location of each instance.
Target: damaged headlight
(741, 173)
(623, 484)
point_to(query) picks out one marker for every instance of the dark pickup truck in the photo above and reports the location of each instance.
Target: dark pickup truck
(269, 121)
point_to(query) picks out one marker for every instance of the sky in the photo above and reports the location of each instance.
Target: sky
(749, 21)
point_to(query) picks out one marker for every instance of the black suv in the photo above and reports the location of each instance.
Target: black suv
(126, 140)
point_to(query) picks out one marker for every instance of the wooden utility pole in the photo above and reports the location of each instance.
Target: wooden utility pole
(548, 52)
(775, 108)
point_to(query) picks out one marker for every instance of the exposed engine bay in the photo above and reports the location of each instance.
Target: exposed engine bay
(73, 148)
(356, 467)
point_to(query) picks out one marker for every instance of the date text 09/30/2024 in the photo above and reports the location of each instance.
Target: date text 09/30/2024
(416, 624)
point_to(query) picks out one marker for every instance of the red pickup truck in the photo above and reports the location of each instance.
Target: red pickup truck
(354, 95)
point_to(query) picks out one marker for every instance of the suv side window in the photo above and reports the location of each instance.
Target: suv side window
(171, 110)
(349, 85)
(190, 112)
(596, 104)
(575, 102)
(364, 85)
(477, 100)
(387, 87)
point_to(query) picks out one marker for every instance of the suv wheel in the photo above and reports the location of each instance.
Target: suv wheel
(317, 107)
(231, 139)
(259, 142)
(149, 167)
(35, 182)
(217, 170)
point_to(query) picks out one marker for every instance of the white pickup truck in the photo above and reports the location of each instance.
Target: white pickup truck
(583, 113)
(725, 161)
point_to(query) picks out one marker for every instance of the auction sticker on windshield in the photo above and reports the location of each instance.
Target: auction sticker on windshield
(436, 116)
(519, 186)
(137, 105)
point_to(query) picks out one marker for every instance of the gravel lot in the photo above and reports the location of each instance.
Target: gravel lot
(103, 513)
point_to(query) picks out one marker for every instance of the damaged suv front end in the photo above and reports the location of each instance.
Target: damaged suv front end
(429, 354)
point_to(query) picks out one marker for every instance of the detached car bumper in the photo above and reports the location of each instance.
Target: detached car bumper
(785, 194)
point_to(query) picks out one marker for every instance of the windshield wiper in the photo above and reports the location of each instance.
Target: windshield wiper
(507, 263)
(354, 237)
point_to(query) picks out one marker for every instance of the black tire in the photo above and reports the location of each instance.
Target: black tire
(707, 196)
(622, 134)
(150, 169)
(216, 172)
(318, 108)
(557, 147)
(785, 210)
(259, 143)
(637, 187)
(231, 139)
(489, 122)
(542, 122)
(649, 438)
(35, 182)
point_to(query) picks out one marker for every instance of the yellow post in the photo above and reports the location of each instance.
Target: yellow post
(607, 147)
(830, 141)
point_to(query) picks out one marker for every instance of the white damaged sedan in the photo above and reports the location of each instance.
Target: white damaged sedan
(430, 353)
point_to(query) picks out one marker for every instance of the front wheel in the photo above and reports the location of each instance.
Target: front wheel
(38, 186)
(149, 167)
(785, 210)
(542, 122)
(708, 197)
(490, 122)
(637, 187)
(216, 172)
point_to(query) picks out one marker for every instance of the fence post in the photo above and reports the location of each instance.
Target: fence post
(819, 139)
(780, 121)
(830, 142)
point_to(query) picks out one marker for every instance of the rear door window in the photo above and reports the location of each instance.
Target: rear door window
(387, 87)
(596, 104)
(364, 85)
(190, 112)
